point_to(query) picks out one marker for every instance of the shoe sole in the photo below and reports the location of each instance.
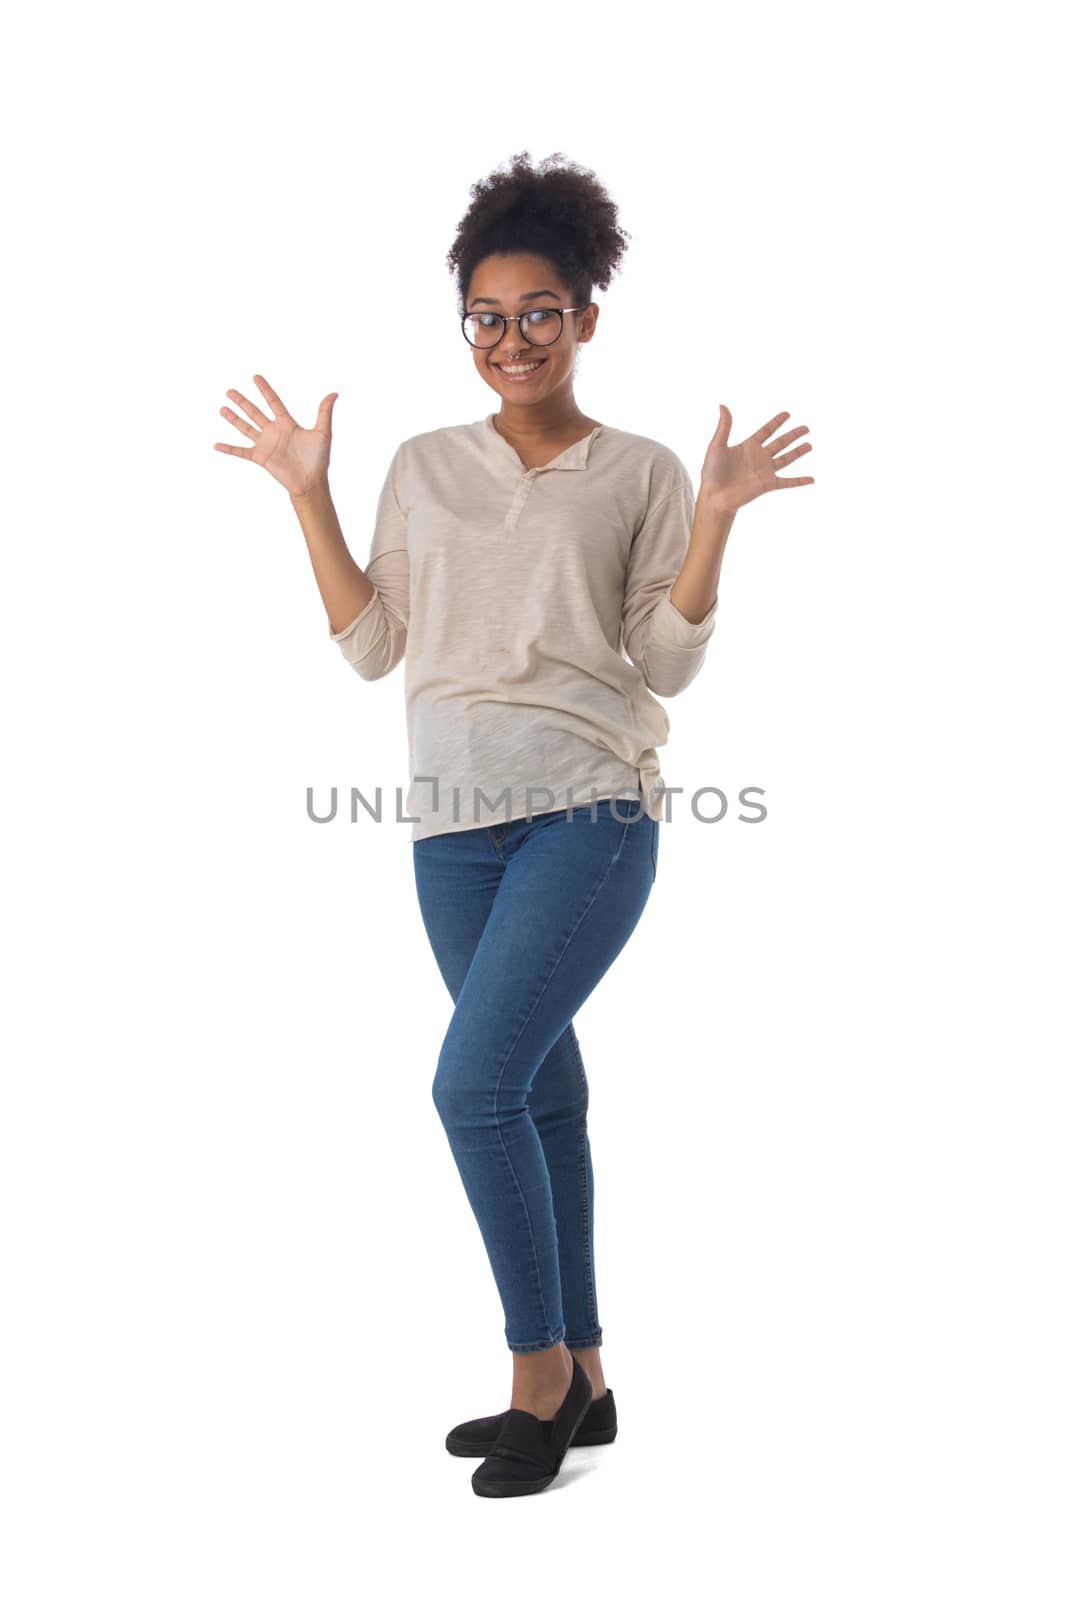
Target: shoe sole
(465, 1447)
(501, 1491)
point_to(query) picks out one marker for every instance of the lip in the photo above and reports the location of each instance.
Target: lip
(527, 377)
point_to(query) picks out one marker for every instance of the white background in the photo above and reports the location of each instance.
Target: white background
(245, 1297)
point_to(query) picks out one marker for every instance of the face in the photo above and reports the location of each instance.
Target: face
(508, 285)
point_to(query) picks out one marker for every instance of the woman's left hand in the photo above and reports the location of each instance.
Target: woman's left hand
(733, 475)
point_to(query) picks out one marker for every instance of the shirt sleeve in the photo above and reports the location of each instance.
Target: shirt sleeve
(667, 648)
(375, 641)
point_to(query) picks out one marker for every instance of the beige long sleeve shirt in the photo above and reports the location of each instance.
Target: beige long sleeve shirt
(511, 594)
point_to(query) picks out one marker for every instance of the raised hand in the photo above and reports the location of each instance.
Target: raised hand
(733, 475)
(297, 457)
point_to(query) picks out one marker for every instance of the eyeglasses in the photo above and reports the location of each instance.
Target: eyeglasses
(483, 329)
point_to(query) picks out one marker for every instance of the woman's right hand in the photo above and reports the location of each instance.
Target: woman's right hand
(297, 457)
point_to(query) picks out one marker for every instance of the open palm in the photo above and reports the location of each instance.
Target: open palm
(297, 457)
(733, 475)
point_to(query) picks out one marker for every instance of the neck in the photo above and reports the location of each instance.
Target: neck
(558, 414)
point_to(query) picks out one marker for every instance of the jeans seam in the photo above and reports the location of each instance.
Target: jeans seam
(590, 1303)
(496, 846)
(514, 1043)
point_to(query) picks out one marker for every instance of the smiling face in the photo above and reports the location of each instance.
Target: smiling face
(508, 285)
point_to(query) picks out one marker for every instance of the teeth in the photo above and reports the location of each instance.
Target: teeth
(529, 366)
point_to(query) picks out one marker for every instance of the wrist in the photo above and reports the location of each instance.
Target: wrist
(711, 501)
(317, 489)
(713, 520)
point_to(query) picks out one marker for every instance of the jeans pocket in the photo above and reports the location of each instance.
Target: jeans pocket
(654, 850)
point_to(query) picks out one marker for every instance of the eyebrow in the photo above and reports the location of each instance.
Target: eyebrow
(532, 295)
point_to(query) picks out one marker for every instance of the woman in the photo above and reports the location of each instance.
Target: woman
(513, 560)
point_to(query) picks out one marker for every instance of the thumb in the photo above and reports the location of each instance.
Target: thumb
(725, 422)
(325, 413)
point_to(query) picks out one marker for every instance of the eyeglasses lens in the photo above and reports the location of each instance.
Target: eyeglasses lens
(484, 328)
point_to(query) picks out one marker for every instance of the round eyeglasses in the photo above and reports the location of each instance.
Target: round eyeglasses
(483, 329)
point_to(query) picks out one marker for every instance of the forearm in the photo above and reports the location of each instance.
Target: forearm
(695, 588)
(344, 586)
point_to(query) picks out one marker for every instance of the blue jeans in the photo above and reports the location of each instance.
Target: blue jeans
(524, 917)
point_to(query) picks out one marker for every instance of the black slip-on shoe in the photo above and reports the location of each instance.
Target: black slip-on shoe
(528, 1451)
(599, 1425)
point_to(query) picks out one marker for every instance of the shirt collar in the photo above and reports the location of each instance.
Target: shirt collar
(575, 458)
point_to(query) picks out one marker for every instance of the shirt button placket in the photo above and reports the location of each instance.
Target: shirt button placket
(520, 496)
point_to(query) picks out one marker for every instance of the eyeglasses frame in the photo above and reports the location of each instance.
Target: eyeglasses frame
(562, 310)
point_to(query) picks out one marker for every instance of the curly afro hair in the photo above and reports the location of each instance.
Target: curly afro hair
(558, 210)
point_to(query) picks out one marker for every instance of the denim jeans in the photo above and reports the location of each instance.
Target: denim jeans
(524, 918)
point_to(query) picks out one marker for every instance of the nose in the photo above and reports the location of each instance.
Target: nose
(514, 344)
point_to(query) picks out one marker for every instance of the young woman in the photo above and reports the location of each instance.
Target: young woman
(544, 576)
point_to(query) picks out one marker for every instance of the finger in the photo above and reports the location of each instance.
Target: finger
(767, 428)
(237, 450)
(251, 408)
(792, 456)
(275, 401)
(790, 483)
(787, 438)
(239, 422)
